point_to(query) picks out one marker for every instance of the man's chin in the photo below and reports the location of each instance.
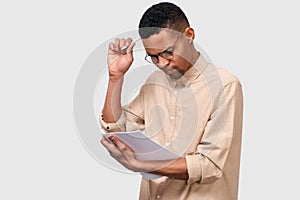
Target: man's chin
(175, 75)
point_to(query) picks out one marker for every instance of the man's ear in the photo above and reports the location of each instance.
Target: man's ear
(189, 33)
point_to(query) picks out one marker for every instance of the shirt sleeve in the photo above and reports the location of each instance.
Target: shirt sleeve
(222, 135)
(132, 117)
(119, 125)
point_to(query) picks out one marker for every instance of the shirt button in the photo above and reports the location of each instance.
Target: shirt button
(158, 196)
(172, 117)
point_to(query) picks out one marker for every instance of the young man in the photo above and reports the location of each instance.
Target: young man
(188, 105)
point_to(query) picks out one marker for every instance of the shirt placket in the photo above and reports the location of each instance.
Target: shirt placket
(172, 118)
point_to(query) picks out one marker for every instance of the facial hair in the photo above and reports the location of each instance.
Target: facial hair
(174, 75)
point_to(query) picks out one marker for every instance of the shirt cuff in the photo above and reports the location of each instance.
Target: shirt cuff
(113, 127)
(194, 168)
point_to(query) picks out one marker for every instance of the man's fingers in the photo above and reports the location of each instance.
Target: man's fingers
(111, 46)
(111, 147)
(120, 144)
(117, 44)
(128, 42)
(130, 47)
(122, 43)
(106, 143)
(117, 142)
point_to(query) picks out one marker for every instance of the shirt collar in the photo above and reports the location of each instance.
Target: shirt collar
(190, 75)
(195, 71)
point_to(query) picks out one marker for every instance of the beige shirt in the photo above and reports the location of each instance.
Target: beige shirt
(198, 117)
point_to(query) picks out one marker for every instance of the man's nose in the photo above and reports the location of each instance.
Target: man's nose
(162, 62)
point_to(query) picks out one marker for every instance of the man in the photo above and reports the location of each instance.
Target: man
(188, 106)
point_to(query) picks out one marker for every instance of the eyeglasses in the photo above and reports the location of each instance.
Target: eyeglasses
(166, 54)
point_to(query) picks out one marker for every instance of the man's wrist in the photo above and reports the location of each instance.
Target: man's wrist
(140, 166)
(146, 165)
(116, 79)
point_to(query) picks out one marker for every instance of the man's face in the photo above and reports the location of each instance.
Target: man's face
(168, 50)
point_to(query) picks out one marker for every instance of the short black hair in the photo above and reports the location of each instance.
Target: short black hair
(162, 15)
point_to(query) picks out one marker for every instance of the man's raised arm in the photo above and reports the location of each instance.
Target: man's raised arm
(118, 61)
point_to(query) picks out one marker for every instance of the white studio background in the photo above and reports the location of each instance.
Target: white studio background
(43, 45)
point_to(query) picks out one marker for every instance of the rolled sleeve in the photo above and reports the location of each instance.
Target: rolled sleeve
(113, 127)
(193, 168)
(201, 169)
(128, 121)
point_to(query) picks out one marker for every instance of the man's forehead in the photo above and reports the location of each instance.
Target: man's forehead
(160, 41)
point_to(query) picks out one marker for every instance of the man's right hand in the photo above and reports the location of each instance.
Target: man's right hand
(119, 61)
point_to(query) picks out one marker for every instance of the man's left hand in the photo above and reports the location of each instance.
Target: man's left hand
(121, 152)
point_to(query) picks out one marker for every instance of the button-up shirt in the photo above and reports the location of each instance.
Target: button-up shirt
(199, 117)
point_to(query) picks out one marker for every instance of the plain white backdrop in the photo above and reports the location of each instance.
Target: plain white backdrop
(43, 45)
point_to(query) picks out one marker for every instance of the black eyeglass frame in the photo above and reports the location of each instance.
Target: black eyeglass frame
(166, 54)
